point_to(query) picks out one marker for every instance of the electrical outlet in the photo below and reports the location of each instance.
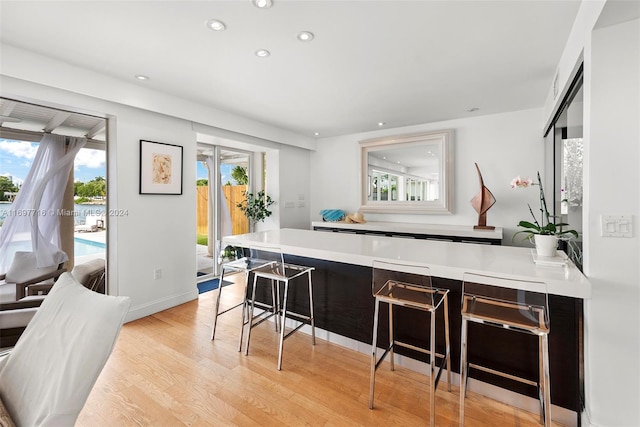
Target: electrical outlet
(157, 274)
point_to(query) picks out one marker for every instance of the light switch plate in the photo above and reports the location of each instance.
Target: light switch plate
(616, 226)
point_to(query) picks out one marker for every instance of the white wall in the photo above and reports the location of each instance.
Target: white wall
(572, 54)
(156, 231)
(159, 231)
(503, 145)
(612, 153)
(294, 180)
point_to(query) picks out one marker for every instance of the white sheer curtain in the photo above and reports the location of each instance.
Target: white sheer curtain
(225, 217)
(33, 224)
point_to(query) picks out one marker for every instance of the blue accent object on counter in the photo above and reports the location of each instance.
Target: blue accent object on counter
(332, 215)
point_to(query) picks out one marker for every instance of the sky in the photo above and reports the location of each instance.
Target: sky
(225, 171)
(16, 158)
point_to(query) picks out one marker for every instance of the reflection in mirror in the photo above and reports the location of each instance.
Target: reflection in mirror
(568, 168)
(408, 174)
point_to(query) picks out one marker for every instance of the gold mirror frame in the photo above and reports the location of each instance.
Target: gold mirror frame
(437, 147)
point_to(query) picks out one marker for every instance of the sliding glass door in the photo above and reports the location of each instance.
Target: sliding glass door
(566, 139)
(223, 178)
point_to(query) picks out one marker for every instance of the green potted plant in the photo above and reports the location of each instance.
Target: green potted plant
(229, 253)
(544, 233)
(255, 206)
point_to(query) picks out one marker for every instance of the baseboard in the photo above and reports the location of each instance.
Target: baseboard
(138, 312)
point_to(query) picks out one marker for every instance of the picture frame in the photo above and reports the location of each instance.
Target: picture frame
(160, 168)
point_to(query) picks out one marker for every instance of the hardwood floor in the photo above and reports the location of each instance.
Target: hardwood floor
(166, 371)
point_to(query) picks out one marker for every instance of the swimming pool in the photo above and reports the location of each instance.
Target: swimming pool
(82, 247)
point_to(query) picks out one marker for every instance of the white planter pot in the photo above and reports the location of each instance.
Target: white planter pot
(546, 245)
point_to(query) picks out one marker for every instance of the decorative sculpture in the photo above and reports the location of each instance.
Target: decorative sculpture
(481, 203)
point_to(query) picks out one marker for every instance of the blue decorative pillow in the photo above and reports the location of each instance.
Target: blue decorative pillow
(332, 215)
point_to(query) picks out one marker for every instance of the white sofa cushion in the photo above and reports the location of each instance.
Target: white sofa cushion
(18, 318)
(23, 268)
(50, 372)
(7, 292)
(82, 271)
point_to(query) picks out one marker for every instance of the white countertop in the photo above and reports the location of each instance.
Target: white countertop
(445, 259)
(402, 227)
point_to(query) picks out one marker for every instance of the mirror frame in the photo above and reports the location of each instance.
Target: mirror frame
(443, 138)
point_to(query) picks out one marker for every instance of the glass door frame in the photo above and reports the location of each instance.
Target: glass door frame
(215, 193)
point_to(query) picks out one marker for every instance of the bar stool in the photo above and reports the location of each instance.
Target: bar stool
(516, 305)
(277, 271)
(243, 265)
(410, 286)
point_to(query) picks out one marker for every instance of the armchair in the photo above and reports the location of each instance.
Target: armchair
(46, 379)
(14, 318)
(91, 274)
(16, 315)
(23, 276)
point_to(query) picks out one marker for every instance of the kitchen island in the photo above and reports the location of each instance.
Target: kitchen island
(344, 305)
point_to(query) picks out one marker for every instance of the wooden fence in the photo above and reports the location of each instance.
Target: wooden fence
(233, 194)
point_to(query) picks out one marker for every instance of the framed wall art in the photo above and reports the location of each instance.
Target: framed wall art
(160, 168)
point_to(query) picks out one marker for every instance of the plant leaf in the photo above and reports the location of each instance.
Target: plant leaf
(527, 224)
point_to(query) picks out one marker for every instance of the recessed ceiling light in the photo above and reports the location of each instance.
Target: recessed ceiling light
(473, 109)
(141, 77)
(305, 36)
(316, 133)
(262, 4)
(380, 123)
(262, 53)
(215, 25)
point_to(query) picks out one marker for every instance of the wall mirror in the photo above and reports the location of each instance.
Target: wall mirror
(408, 174)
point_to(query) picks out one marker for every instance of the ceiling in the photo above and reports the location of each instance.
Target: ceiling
(395, 62)
(35, 119)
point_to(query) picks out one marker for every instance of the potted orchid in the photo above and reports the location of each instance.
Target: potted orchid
(544, 233)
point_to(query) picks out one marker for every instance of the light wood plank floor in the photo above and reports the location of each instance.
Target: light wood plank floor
(166, 371)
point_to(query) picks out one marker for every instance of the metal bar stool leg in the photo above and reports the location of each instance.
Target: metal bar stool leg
(374, 351)
(275, 303)
(217, 305)
(463, 368)
(432, 367)
(245, 307)
(447, 342)
(544, 379)
(312, 317)
(282, 325)
(391, 337)
(250, 319)
(540, 380)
